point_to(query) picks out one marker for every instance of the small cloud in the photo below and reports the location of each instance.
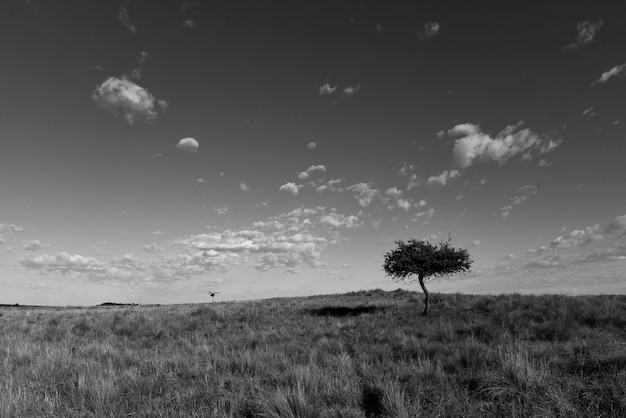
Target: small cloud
(33, 245)
(364, 193)
(201, 180)
(430, 29)
(327, 89)
(222, 211)
(311, 145)
(189, 24)
(136, 74)
(124, 17)
(153, 248)
(443, 178)
(157, 233)
(244, 187)
(143, 56)
(305, 174)
(289, 188)
(588, 113)
(509, 257)
(348, 92)
(379, 28)
(616, 71)
(475, 243)
(188, 145)
(122, 96)
(424, 215)
(586, 33)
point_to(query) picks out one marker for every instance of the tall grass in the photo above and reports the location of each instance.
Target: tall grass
(363, 354)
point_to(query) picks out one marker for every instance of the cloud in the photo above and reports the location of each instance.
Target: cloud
(379, 28)
(153, 248)
(311, 145)
(336, 220)
(426, 215)
(143, 56)
(64, 263)
(122, 96)
(350, 91)
(124, 17)
(7, 229)
(289, 188)
(525, 193)
(430, 29)
(33, 245)
(475, 243)
(305, 174)
(476, 146)
(188, 145)
(331, 186)
(136, 74)
(201, 180)
(586, 33)
(222, 210)
(617, 71)
(189, 24)
(363, 193)
(588, 113)
(244, 187)
(327, 89)
(443, 178)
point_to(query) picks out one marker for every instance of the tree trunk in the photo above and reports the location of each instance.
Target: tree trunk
(421, 279)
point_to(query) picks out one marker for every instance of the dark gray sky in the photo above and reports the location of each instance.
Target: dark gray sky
(152, 151)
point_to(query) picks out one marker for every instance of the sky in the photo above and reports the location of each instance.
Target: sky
(156, 151)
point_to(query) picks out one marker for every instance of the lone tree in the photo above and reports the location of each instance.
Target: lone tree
(425, 260)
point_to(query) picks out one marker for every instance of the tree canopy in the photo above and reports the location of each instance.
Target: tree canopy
(424, 260)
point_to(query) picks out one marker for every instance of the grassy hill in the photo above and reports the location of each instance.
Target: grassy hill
(364, 354)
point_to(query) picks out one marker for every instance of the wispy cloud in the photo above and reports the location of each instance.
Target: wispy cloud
(188, 144)
(311, 145)
(617, 71)
(586, 32)
(350, 91)
(327, 89)
(430, 29)
(133, 102)
(244, 187)
(364, 193)
(525, 193)
(124, 17)
(153, 248)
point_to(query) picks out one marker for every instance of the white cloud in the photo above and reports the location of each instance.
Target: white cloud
(221, 210)
(143, 56)
(201, 180)
(443, 178)
(305, 174)
(136, 74)
(393, 192)
(351, 90)
(364, 193)
(64, 263)
(188, 145)
(525, 193)
(424, 215)
(586, 33)
(157, 233)
(327, 89)
(588, 113)
(311, 145)
(124, 17)
(189, 24)
(289, 188)
(244, 187)
(379, 28)
(153, 248)
(430, 29)
(331, 186)
(475, 243)
(122, 96)
(340, 221)
(476, 146)
(33, 245)
(616, 71)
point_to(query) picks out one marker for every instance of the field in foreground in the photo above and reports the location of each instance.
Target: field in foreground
(364, 354)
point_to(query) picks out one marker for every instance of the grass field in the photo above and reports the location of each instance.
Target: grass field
(364, 354)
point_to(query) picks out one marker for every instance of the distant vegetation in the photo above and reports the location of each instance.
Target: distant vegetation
(362, 354)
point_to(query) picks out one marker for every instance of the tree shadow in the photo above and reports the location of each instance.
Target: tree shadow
(345, 310)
